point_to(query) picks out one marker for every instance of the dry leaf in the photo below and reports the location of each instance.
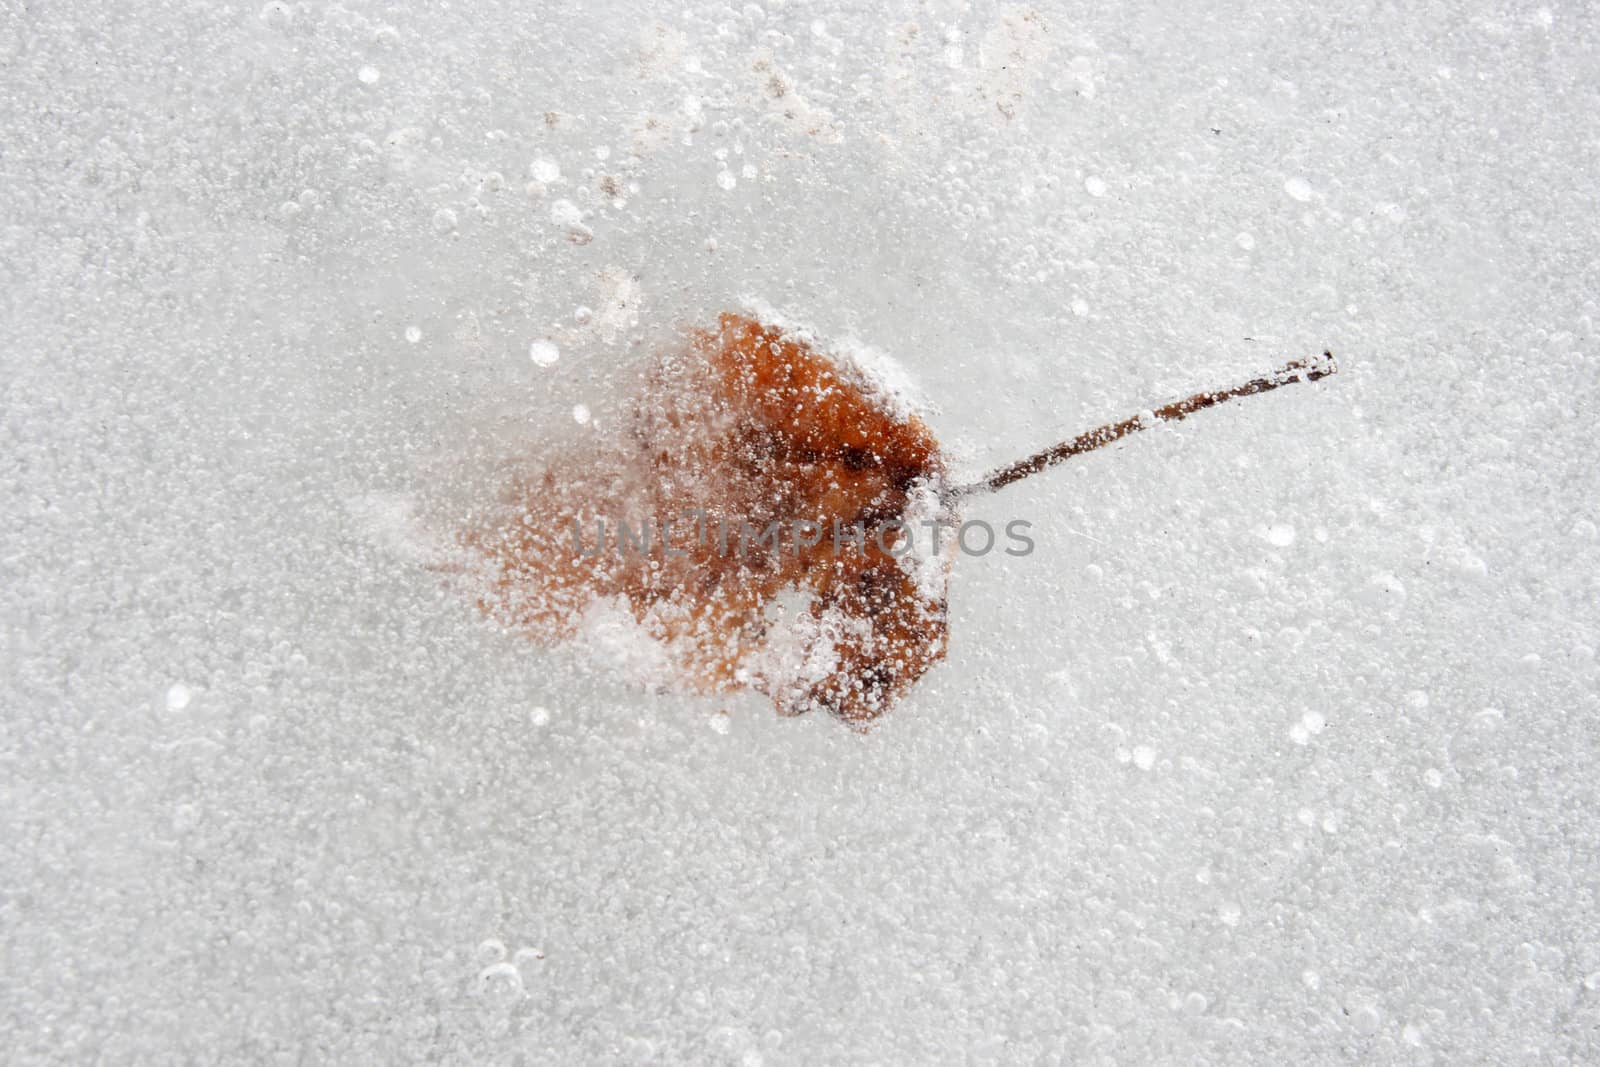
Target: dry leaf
(746, 430)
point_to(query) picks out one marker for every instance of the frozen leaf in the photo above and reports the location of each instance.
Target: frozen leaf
(754, 524)
(742, 455)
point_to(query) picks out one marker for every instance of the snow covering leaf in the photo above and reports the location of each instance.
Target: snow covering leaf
(747, 451)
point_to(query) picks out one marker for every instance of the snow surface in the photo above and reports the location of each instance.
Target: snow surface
(1281, 747)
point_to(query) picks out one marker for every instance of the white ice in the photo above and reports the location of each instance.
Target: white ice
(1281, 747)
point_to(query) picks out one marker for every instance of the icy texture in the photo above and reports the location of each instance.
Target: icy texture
(1281, 747)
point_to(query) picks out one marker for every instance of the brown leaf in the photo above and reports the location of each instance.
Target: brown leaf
(744, 427)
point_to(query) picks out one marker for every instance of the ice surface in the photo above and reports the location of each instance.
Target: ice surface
(1280, 748)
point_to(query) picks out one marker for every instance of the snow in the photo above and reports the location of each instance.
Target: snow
(933, 537)
(544, 352)
(1280, 746)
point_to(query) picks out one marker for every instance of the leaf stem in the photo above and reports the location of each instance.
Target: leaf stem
(1301, 370)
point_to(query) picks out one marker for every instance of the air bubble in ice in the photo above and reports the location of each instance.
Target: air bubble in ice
(1298, 188)
(1488, 720)
(178, 697)
(500, 980)
(1144, 757)
(413, 334)
(544, 353)
(726, 179)
(1281, 535)
(540, 715)
(580, 414)
(1245, 241)
(368, 75)
(1385, 588)
(444, 220)
(1094, 186)
(566, 213)
(545, 170)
